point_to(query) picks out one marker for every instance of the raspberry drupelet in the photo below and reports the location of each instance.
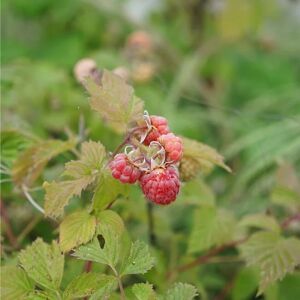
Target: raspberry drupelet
(161, 186)
(159, 127)
(173, 146)
(123, 170)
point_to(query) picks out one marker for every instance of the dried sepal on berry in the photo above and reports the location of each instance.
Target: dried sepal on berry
(161, 185)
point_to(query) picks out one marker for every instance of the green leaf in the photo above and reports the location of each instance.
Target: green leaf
(115, 101)
(43, 263)
(43, 295)
(110, 252)
(28, 167)
(211, 227)
(87, 284)
(286, 197)
(107, 191)
(181, 291)
(204, 155)
(12, 143)
(260, 221)
(15, 284)
(143, 291)
(82, 173)
(76, 229)
(245, 284)
(139, 260)
(110, 218)
(274, 255)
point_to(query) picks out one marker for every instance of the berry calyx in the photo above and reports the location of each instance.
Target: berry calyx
(173, 147)
(161, 186)
(123, 169)
(159, 126)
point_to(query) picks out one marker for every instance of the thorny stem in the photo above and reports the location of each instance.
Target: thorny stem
(88, 266)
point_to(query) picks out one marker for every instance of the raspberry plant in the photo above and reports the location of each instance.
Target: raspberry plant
(163, 165)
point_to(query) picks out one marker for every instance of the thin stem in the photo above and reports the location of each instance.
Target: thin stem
(28, 228)
(30, 199)
(287, 222)
(205, 258)
(88, 266)
(8, 228)
(122, 293)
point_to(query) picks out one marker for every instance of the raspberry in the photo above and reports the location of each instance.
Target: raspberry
(123, 170)
(159, 127)
(189, 168)
(173, 146)
(161, 186)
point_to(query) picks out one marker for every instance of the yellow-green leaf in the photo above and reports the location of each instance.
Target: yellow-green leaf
(43, 263)
(181, 291)
(286, 197)
(15, 284)
(143, 291)
(87, 284)
(28, 167)
(114, 100)
(110, 218)
(211, 227)
(274, 255)
(76, 229)
(205, 156)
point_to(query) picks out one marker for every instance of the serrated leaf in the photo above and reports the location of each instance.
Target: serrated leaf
(260, 221)
(43, 263)
(42, 295)
(87, 284)
(211, 227)
(206, 156)
(76, 229)
(274, 255)
(28, 167)
(139, 260)
(58, 194)
(110, 218)
(114, 100)
(181, 291)
(15, 284)
(81, 172)
(107, 191)
(110, 252)
(143, 291)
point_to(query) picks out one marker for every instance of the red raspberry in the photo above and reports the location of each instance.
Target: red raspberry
(173, 146)
(159, 127)
(161, 185)
(123, 170)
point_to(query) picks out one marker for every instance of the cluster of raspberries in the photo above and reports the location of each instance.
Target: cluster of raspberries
(151, 158)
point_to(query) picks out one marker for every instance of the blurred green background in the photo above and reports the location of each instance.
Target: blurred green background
(224, 72)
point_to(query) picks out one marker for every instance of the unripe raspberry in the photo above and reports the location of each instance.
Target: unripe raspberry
(123, 170)
(159, 127)
(173, 146)
(161, 186)
(189, 168)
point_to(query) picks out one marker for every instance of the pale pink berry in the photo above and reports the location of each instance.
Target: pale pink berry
(159, 127)
(161, 186)
(123, 170)
(173, 146)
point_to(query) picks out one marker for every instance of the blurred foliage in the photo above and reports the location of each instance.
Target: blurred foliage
(224, 72)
